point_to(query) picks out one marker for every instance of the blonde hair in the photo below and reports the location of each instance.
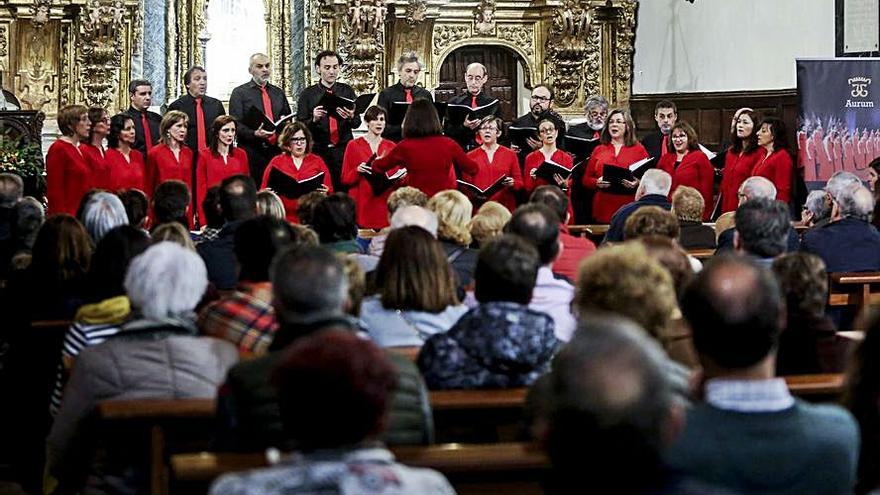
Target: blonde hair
(268, 203)
(405, 196)
(453, 210)
(168, 120)
(174, 232)
(688, 204)
(489, 222)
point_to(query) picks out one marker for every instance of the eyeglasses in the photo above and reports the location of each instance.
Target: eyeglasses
(541, 98)
(298, 140)
(547, 130)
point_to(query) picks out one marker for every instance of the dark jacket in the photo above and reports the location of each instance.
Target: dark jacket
(466, 137)
(463, 261)
(211, 109)
(653, 144)
(259, 151)
(618, 221)
(396, 93)
(695, 235)
(529, 120)
(495, 345)
(249, 417)
(153, 119)
(847, 245)
(219, 257)
(309, 99)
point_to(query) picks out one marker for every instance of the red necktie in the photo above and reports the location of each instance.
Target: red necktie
(473, 102)
(663, 149)
(200, 125)
(334, 127)
(596, 135)
(148, 136)
(408, 95)
(267, 109)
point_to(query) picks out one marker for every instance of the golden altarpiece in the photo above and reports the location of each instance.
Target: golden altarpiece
(56, 52)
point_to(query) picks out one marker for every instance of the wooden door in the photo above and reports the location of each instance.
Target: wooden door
(502, 82)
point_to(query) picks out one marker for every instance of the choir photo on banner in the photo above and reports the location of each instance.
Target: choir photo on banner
(412, 289)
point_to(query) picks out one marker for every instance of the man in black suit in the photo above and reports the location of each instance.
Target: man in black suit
(475, 77)
(596, 113)
(330, 132)
(406, 90)
(200, 108)
(540, 104)
(665, 114)
(140, 93)
(259, 144)
(849, 243)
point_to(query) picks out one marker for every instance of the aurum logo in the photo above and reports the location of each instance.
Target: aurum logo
(859, 85)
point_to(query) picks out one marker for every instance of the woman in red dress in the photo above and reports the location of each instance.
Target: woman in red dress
(548, 152)
(427, 155)
(93, 148)
(618, 148)
(171, 158)
(775, 161)
(495, 161)
(372, 209)
(297, 162)
(221, 160)
(740, 158)
(126, 164)
(688, 165)
(68, 174)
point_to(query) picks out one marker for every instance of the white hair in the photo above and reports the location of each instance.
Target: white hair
(839, 181)
(415, 215)
(656, 181)
(855, 200)
(103, 212)
(758, 187)
(166, 280)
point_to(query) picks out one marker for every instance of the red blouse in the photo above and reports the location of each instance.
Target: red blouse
(311, 165)
(372, 210)
(604, 203)
(126, 174)
(504, 162)
(737, 168)
(97, 160)
(777, 167)
(68, 177)
(693, 171)
(429, 162)
(211, 169)
(162, 166)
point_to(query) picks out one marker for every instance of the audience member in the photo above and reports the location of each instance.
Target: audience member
(305, 207)
(238, 202)
(403, 196)
(762, 227)
(416, 295)
(103, 212)
(136, 207)
(268, 203)
(749, 421)
(338, 433)
(809, 343)
(163, 358)
(672, 257)
(171, 202)
(211, 216)
(574, 249)
(310, 295)
(29, 217)
(11, 188)
(488, 223)
(501, 343)
(862, 398)
(246, 317)
(335, 223)
(651, 220)
(849, 243)
(453, 211)
(817, 209)
(173, 232)
(688, 206)
(653, 190)
(539, 226)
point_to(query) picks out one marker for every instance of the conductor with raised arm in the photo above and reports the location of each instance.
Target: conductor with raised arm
(409, 67)
(330, 130)
(259, 144)
(464, 134)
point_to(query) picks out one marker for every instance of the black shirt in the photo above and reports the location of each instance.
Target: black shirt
(393, 94)
(462, 135)
(309, 99)
(153, 119)
(211, 109)
(249, 95)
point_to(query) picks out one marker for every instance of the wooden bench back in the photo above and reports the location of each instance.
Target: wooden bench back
(853, 289)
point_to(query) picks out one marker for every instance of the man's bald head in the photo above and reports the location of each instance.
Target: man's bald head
(756, 187)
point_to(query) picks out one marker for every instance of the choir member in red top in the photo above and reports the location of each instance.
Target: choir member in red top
(427, 155)
(619, 148)
(548, 152)
(220, 160)
(740, 158)
(93, 148)
(775, 163)
(298, 162)
(68, 175)
(372, 210)
(687, 165)
(126, 164)
(171, 158)
(495, 161)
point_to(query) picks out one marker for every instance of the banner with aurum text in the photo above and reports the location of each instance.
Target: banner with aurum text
(839, 121)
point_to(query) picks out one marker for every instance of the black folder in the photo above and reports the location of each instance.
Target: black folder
(332, 101)
(580, 147)
(482, 194)
(520, 135)
(290, 188)
(381, 181)
(255, 117)
(547, 169)
(457, 113)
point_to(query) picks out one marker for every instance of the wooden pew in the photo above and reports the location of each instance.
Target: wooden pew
(701, 254)
(854, 289)
(510, 468)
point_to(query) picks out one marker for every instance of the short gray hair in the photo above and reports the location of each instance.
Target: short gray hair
(415, 215)
(839, 181)
(596, 101)
(308, 283)
(855, 201)
(11, 189)
(166, 280)
(817, 203)
(408, 58)
(656, 181)
(758, 187)
(102, 212)
(29, 217)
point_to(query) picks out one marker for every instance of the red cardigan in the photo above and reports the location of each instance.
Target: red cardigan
(605, 204)
(737, 168)
(126, 174)
(97, 160)
(311, 165)
(372, 210)
(693, 171)
(777, 167)
(211, 170)
(162, 166)
(504, 162)
(68, 177)
(429, 162)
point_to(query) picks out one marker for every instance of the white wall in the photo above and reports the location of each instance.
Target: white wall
(727, 45)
